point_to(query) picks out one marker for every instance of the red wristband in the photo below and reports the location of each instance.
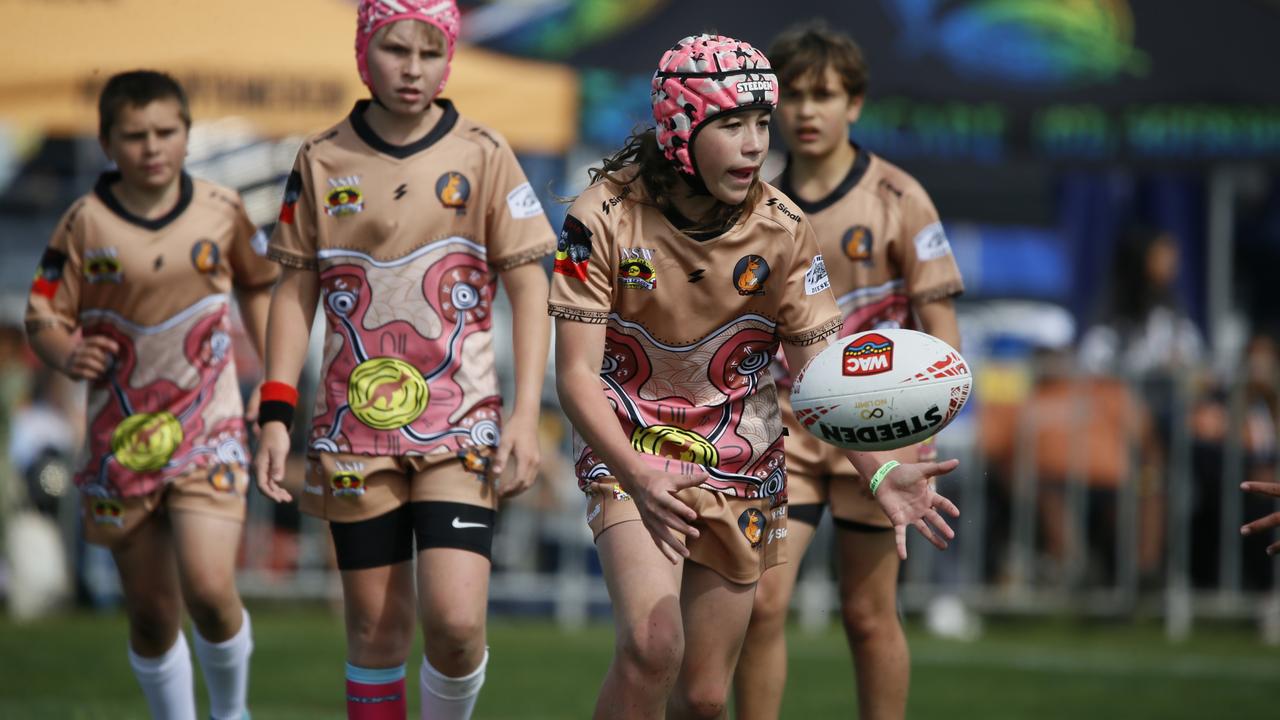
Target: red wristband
(282, 392)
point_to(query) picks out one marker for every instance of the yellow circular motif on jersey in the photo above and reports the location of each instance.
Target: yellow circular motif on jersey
(387, 393)
(675, 443)
(144, 442)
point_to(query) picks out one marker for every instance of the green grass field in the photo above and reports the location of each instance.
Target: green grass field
(75, 667)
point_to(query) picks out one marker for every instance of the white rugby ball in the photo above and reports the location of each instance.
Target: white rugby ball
(881, 390)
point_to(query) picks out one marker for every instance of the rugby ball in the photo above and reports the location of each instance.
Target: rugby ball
(881, 390)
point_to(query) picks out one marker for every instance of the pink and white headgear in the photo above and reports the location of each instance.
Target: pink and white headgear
(699, 78)
(373, 14)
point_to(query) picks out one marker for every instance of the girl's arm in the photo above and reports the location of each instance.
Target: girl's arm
(527, 287)
(292, 310)
(579, 354)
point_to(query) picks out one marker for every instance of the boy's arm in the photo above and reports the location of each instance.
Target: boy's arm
(255, 305)
(938, 318)
(527, 288)
(292, 310)
(84, 359)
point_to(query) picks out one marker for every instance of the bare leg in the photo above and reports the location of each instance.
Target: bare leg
(649, 646)
(868, 601)
(716, 612)
(762, 669)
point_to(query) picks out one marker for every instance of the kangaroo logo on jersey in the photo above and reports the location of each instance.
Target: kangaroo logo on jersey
(102, 265)
(752, 523)
(573, 250)
(344, 197)
(386, 393)
(49, 274)
(223, 478)
(144, 442)
(676, 443)
(870, 354)
(205, 255)
(635, 269)
(750, 274)
(474, 460)
(454, 190)
(857, 243)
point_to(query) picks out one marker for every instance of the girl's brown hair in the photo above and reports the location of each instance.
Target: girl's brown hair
(662, 180)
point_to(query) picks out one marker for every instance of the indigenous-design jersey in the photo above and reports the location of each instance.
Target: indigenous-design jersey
(692, 328)
(408, 241)
(160, 289)
(885, 249)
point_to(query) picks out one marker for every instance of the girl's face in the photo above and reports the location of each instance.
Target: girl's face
(730, 151)
(407, 60)
(148, 143)
(815, 112)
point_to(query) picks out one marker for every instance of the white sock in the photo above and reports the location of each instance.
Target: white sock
(226, 671)
(167, 682)
(446, 698)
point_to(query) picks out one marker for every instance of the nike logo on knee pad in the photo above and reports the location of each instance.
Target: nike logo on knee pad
(457, 523)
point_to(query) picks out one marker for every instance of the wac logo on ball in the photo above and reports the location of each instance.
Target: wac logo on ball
(870, 354)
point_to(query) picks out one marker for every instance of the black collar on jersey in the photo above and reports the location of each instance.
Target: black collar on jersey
(370, 138)
(682, 223)
(102, 188)
(861, 160)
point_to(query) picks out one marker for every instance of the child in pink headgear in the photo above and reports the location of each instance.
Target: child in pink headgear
(701, 78)
(373, 14)
(678, 277)
(399, 222)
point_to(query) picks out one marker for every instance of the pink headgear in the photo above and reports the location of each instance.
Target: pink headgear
(699, 78)
(373, 14)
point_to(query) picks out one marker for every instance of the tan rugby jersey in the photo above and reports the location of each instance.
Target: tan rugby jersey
(170, 402)
(692, 328)
(885, 249)
(407, 241)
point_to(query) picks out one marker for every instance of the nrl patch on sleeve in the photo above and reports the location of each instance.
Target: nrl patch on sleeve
(523, 203)
(931, 242)
(815, 278)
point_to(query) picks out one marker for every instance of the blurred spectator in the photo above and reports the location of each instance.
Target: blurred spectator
(1145, 331)
(1091, 429)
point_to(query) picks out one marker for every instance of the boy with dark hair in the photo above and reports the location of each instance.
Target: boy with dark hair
(133, 296)
(890, 266)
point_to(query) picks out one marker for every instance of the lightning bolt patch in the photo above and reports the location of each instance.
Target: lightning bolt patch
(696, 275)
(400, 191)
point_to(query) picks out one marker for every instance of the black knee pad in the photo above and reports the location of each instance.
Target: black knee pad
(453, 525)
(376, 542)
(855, 526)
(809, 513)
